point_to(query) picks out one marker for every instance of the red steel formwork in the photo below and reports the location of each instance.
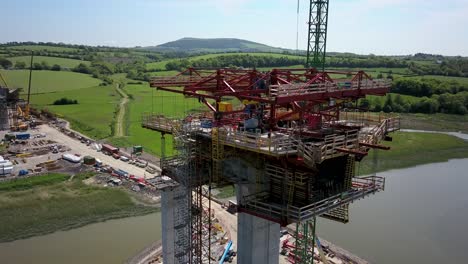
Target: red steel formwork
(297, 92)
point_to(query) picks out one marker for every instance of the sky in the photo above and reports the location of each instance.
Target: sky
(382, 27)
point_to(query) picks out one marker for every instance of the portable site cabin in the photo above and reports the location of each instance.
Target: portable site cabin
(71, 158)
(6, 167)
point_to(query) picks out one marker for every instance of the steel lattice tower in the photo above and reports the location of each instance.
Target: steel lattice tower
(317, 40)
(316, 51)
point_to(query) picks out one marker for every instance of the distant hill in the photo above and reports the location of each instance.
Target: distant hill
(214, 45)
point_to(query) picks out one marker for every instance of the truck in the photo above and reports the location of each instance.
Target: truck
(23, 172)
(122, 173)
(109, 148)
(232, 207)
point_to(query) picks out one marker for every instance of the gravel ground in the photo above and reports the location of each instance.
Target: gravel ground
(79, 148)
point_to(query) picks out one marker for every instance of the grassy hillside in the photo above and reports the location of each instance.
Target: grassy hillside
(213, 45)
(48, 81)
(94, 113)
(67, 63)
(51, 202)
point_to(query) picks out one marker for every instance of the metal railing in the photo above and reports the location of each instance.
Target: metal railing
(326, 87)
(361, 187)
(378, 132)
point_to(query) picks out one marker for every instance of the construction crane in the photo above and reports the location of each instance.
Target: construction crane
(316, 52)
(317, 34)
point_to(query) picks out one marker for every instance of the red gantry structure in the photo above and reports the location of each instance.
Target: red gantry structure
(288, 139)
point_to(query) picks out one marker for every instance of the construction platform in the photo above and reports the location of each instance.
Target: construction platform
(289, 146)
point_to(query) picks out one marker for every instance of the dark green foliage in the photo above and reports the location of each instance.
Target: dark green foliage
(20, 65)
(6, 64)
(456, 66)
(246, 60)
(65, 101)
(45, 65)
(427, 87)
(56, 67)
(82, 68)
(364, 103)
(37, 66)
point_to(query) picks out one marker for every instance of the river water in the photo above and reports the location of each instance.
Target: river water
(109, 242)
(421, 217)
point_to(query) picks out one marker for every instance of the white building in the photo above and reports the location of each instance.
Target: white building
(6, 167)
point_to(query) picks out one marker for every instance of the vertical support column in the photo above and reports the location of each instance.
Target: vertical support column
(258, 240)
(175, 224)
(167, 223)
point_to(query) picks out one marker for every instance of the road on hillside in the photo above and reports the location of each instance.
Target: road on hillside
(120, 121)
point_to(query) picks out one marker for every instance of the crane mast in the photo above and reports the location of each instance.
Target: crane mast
(317, 39)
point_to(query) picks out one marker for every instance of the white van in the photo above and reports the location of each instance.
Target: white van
(123, 158)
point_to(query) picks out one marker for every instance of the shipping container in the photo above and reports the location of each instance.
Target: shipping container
(137, 149)
(23, 136)
(110, 149)
(88, 160)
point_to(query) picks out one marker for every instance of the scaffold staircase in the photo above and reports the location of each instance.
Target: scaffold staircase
(217, 153)
(305, 240)
(349, 171)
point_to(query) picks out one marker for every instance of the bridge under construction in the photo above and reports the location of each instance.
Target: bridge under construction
(287, 139)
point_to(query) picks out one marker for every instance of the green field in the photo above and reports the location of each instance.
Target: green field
(146, 99)
(43, 48)
(94, 113)
(54, 203)
(63, 62)
(374, 99)
(411, 149)
(48, 81)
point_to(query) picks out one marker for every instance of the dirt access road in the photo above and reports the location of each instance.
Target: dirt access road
(79, 148)
(120, 120)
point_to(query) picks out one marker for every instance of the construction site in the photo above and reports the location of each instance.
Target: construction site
(287, 139)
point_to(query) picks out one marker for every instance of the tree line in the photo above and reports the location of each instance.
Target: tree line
(430, 96)
(254, 61)
(457, 67)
